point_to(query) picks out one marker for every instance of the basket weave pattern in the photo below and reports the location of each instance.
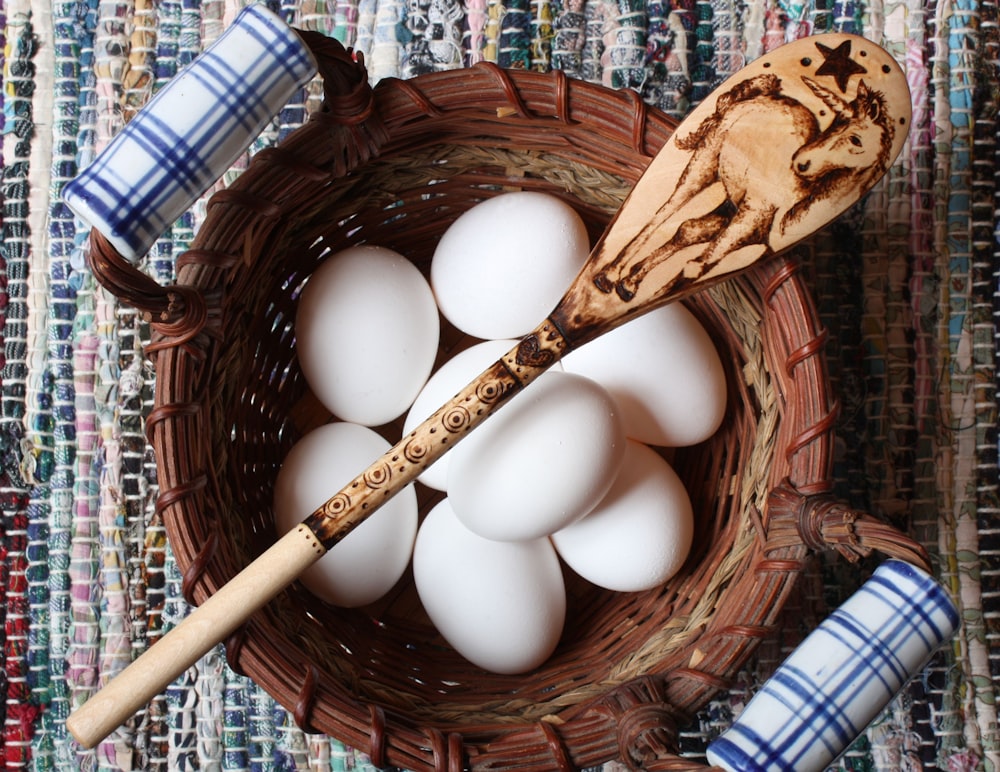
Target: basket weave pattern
(394, 166)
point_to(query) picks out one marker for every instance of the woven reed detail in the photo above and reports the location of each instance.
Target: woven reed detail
(349, 101)
(516, 105)
(220, 260)
(677, 764)
(821, 522)
(173, 310)
(231, 401)
(646, 726)
(377, 735)
(234, 646)
(196, 569)
(808, 349)
(448, 751)
(822, 426)
(256, 203)
(178, 493)
(292, 163)
(306, 700)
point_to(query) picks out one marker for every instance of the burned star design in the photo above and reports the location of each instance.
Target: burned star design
(838, 63)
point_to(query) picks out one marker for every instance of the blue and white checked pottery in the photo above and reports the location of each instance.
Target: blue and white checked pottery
(841, 676)
(191, 132)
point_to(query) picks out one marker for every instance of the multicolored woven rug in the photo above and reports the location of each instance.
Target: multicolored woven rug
(908, 285)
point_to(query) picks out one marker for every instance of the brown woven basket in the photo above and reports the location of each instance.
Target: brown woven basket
(394, 166)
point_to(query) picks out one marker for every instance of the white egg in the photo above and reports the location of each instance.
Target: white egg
(539, 463)
(367, 332)
(444, 384)
(371, 558)
(502, 266)
(640, 534)
(665, 374)
(501, 605)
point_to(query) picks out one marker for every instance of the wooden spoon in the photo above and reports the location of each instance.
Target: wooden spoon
(777, 152)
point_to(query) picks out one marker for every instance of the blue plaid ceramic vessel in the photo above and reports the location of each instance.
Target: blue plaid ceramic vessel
(191, 132)
(841, 676)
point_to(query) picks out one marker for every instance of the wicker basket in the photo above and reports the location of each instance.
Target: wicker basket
(394, 166)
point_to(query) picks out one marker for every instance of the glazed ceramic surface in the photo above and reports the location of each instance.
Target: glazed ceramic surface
(841, 676)
(186, 137)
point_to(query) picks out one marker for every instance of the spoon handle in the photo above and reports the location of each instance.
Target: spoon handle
(213, 621)
(236, 601)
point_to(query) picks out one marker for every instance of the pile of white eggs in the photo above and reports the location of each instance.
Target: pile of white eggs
(566, 475)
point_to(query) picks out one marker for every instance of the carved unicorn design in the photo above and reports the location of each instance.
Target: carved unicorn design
(741, 212)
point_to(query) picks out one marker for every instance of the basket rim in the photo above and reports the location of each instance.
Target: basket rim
(411, 107)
